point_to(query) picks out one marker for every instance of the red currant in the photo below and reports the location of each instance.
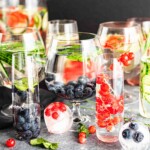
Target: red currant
(131, 55)
(104, 87)
(82, 134)
(124, 58)
(92, 129)
(55, 115)
(47, 112)
(10, 142)
(62, 107)
(111, 67)
(82, 140)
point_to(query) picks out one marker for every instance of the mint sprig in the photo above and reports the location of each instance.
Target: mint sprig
(44, 143)
(83, 128)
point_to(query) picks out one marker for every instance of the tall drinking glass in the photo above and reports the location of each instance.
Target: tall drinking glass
(65, 29)
(25, 96)
(70, 70)
(109, 97)
(123, 40)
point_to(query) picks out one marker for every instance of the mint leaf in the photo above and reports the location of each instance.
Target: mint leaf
(83, 128)
(44, 143)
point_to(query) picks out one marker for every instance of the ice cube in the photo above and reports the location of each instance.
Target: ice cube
(58, 117)
(134, 136)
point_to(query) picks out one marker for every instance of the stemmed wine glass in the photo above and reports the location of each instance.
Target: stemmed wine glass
(123, 39)
(19, 40)
(70, 69)
(63, 28)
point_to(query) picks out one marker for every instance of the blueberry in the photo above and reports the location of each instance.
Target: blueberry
(83, 80)
(138, 137)
(19, 127)
(133, 126)
(51, 88)
(79, 87)
(27, 135)
(34, 126)
(93, 81)
(26, 126)
(126, 133)
(36, 133)
(70, 94)
(49, 77)
(69, 87)
(74, 83)
(91, 85)
(78, 94)
(62, 91)
(88, 92)
(21, 119)
(24, 112)
(22, 94)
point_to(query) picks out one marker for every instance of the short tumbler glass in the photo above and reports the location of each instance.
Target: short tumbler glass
(109, 98)
(25, 96)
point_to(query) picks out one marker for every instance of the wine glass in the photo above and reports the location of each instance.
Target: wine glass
(123, 39)
(70, 70)
(64, 29)
(24, 13)
(19, 40)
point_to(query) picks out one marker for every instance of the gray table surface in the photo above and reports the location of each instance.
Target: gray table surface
(69, 140)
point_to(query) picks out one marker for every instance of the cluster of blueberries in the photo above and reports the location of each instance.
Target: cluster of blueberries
(27, 122)
(80, 89)
(132, 132)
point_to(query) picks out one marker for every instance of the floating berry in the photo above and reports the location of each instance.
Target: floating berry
(10, 142)
(55, 115)
(104, 87)
(126, 134)
(138, 137)
(133, 125)
(47, 112)
(131, 55)
(62, 108)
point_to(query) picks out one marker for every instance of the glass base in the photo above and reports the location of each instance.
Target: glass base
(107, 139)
(82, 119)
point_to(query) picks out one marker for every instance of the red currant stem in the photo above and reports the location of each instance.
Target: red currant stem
(110, 87)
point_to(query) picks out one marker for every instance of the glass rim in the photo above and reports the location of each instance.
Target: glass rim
(119, 25)
(62, 21)
(95, 36)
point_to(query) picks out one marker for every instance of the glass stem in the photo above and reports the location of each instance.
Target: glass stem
(76, 111)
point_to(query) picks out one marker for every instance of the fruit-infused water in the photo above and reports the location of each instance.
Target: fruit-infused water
(58, 117)
(26, 109)
(23, 14)
(134, 136)
(109, 99)
(144, 102)
(69, 75)
(128, 53)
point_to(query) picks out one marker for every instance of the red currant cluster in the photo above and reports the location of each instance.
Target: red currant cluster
(108, 106)
(53, 110)
(126, 58)
(84, 131)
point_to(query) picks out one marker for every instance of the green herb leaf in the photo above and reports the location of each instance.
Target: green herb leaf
(83, 128)
(44, 143)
